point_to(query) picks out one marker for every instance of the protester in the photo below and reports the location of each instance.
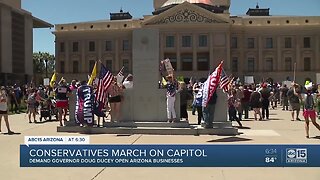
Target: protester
(73, 85)
(31, 105)
(4, 109)
(195, 90)
(13, 100)
(309, 111)
(232, 106)
(284, 97)
(115, 93)
(171, 98)
(62, 92)
(209, 110)
(198, 104)
(255, 103)
(294, 97)
(238, 105)
(245, 101)
(184, 97)
(265, 94)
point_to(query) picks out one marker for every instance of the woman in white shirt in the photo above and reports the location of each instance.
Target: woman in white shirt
(4, 109)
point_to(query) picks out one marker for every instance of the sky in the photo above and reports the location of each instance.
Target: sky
(70, 11)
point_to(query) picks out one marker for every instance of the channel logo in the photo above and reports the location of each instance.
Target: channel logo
(296, 155)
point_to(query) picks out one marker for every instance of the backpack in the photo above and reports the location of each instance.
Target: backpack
(309, 103)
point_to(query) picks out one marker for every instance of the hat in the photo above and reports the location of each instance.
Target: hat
(308, 85)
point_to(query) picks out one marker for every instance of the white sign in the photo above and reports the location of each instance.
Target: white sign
(288, 83)
(30, 140)
(318, 78)
(248, 80)
(168, 66)
(46, 81)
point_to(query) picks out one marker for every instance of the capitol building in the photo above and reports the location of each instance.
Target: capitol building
(196, 35)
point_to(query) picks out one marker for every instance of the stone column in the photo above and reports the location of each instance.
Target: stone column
(260, 56)
(299, 65)
(117, 55)
(100, 49)
(6, 40)
(228, 51)
(242, 58)
(279, 63)
(317, 49)
(211, 55)
(28, 31)
(83, 56)
(178, 52)
(162, 46)
(67, 57)
(194, 52)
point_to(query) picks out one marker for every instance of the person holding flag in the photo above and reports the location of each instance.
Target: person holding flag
(209, 96)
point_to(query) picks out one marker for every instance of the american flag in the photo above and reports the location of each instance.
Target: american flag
(105, 79)
(224, 81)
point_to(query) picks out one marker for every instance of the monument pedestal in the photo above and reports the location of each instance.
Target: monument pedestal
(144, 106)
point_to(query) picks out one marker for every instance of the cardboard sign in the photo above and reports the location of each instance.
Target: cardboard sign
(248, 79)
(168, 66)
(288, 83)
(46, 81)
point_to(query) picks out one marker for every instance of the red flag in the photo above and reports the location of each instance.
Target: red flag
(214, 80)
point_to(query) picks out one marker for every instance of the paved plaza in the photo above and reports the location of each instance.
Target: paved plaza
(278, 130)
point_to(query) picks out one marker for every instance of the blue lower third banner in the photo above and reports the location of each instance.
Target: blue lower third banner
(170, 156)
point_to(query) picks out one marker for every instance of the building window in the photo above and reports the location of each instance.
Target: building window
(173, 60)
(170, 41)
(125, 45)
(186, 41)
(234, 42)
(91, 65)
(125, 65)
(269, 64)
(203, 62)
(251, 64)
(62, 67)
(92, 46)
(203, 41)
(307, 64)
(62, 47)
(186, 62)
(288, 64)
(288, 42)
(306, 42)
(109, 65)
(75, 46)
(75, 67)
(269, 43)
(234, 64)
(250, 43)
(108, 46)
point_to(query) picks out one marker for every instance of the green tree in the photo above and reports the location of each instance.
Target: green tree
(40, 61)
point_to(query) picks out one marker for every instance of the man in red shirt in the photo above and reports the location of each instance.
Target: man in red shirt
(62, 92)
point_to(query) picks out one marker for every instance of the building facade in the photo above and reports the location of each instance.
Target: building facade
(16, 42)
(196, 35)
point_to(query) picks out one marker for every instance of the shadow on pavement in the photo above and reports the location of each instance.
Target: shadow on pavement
(230, 139)
(243, 127)
(317, 137)
(46, 121)
(15, 133)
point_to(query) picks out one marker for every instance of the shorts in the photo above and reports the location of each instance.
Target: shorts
(3, 112)
(295, 106)
(114, 99)
(309, 114)
(62, 104)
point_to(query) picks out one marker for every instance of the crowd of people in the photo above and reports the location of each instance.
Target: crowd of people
(240, 99)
